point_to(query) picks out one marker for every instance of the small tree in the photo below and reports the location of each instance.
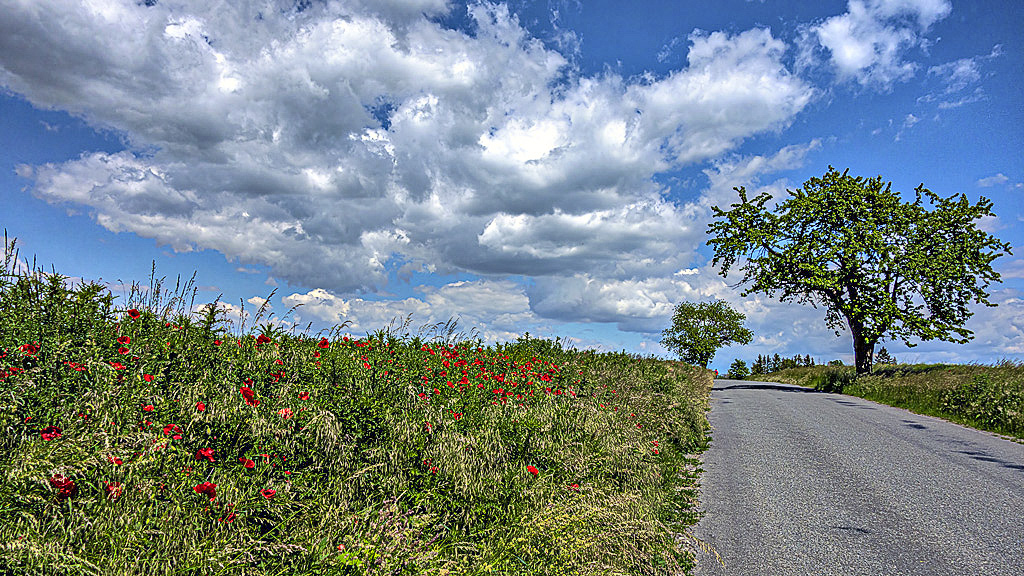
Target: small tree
(760, 366)
(883, 357)
(738, 370)
(880, 265)
(699, 330)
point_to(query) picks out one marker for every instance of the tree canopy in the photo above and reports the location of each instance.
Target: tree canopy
(699, 330)
(884, 267)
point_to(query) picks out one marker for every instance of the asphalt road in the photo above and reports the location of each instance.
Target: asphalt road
(798, 482)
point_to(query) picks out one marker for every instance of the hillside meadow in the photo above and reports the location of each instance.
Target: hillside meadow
(140, 437)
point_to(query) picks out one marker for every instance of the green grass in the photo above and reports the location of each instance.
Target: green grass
(129, 446)
(984, 397)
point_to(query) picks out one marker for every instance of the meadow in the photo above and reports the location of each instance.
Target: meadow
(984, 397)
(149, 436)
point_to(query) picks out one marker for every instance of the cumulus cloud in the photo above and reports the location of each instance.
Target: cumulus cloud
(730, 172)
(332, 142)
(501, 307)
(995, 180)
(868, 43)
(343, 144)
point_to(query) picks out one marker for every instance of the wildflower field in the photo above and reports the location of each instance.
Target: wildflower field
(139, 437)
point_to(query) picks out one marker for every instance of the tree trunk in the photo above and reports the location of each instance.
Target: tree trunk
(863, 351)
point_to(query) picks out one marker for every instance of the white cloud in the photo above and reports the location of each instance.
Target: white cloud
(500, 306)
(259, 302)
(960, 81)
(995, 180)
(869, 42)
(730, 172)
(909, 121)
(337, 143)
(1011, 269)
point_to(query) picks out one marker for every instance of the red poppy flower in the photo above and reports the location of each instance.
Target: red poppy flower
(134, 313)
(50, 433)
(124, 340)
(323, 343)
(268, 493)
(65, 486)
(206, 453)
(115, 460)
(262, 339)
(249, 395)
(172, 429)
(303, 395)
(285, 413)
(148, 407)
(532, 470)
(247, 463)
(207, 489)
(30, 349)
(113, 490)
(216, 342)
(117, 365)
(200, 406)
(123, 351)
(575, 487)
(76, 366)
(147, 377)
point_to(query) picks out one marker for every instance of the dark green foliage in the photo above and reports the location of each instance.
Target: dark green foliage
(769, 364)
(998, 406)
(834, 379)
(738, 370)
(881, 266)
(699, 330)
(883, 358)
(760, 366)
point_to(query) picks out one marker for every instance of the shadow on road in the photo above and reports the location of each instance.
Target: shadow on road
(985, 457)
(861, 405)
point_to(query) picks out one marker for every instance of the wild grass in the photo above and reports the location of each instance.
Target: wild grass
(987, 397)
(142, 438)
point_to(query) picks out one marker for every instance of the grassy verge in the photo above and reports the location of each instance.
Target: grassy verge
(984, 397)
(147, 439)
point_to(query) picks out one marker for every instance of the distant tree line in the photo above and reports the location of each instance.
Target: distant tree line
(768, 364)
(765, 364)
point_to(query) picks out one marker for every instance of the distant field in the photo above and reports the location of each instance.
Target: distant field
(144, 439)
(984, 397)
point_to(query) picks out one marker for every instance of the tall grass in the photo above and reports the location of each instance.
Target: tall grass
(984, 397)
(143, 438)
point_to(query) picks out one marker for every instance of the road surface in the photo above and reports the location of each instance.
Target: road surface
(798, 482)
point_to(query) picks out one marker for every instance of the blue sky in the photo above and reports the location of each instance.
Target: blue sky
(524, 166)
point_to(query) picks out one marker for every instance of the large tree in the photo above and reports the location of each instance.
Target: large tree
(885, 267)
(699, 330)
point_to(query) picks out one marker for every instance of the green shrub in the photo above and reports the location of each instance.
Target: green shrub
(834, 379)
(996, 405)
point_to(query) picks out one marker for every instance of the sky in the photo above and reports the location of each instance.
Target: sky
(533, 166)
